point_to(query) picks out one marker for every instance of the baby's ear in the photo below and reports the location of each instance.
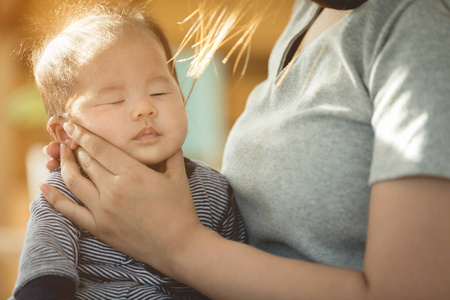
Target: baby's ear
(56, 129)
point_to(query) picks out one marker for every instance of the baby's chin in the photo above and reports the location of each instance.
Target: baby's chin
(156, 161)
(159, 166)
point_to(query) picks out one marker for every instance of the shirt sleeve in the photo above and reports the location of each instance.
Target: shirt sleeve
(232, 226)
(409, 85)
(47, 287)
(50, 251)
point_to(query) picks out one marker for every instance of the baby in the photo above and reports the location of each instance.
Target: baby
(109, 69)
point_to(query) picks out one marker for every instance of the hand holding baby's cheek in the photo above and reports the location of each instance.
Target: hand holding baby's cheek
(134, 208)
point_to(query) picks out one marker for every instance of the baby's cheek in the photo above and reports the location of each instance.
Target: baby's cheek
(103, 123)
(104, 130)
(92, 123)
(112, 132)
(77, 116)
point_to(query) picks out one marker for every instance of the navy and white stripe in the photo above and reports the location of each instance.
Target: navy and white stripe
(55, 249)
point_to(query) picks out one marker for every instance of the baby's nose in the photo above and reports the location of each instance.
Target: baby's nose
(144, 108)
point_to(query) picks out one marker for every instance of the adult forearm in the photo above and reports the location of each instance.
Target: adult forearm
(224, 269)
(406, 255)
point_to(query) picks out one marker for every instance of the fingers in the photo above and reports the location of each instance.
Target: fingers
(79, 215)
(100, 176)
(83, 188)
(52, 164)
(52, 150)
(109, 156)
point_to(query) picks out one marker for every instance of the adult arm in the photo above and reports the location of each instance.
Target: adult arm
(407, 248)
(406, 258)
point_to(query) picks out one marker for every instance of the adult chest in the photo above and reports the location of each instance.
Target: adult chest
(299, 157)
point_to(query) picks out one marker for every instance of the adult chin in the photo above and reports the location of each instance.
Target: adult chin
(340, 4)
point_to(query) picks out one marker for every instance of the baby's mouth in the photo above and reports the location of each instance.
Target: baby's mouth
(147, 133)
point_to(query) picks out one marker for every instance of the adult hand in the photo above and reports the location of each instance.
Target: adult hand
(53, 150)
(133, 208)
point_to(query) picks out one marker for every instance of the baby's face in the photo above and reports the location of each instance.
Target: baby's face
(128, 96)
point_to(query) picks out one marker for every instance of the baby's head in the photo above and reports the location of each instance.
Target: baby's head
(109, 70)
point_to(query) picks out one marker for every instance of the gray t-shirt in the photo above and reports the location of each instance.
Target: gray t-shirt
(369, 100)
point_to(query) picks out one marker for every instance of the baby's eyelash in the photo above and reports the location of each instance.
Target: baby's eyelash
(158, 94)
(117, 102)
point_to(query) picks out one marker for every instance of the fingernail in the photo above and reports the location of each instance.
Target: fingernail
(44, 150)
(44, 190)
(69, 128)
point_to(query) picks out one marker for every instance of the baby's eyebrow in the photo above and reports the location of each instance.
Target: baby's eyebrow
(109, 88)
(159, 78)
(115, 87)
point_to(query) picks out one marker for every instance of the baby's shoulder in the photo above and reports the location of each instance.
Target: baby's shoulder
(55, 179)
(200, 172)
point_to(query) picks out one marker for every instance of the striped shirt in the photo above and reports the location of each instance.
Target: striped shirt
(65, 261)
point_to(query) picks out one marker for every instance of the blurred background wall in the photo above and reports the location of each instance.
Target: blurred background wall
(217, 100)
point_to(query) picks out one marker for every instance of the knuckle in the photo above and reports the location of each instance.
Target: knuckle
(127, 172)
(129, 177)
(111, 194)
(133, 177)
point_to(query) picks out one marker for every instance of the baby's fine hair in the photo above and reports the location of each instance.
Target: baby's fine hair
(64, 37)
